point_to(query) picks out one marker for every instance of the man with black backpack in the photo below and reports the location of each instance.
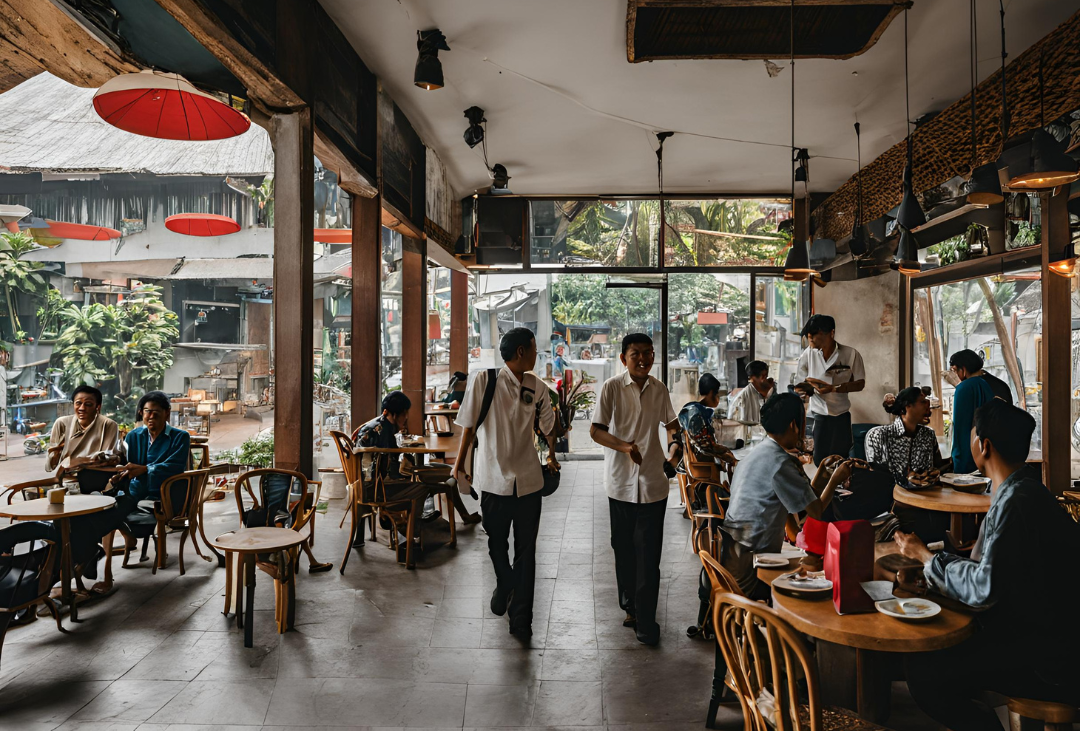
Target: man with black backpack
(499, 411)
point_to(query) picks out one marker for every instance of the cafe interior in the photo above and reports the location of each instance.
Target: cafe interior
(715, 174)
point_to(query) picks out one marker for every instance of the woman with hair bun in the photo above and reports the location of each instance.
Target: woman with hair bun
(907, 445)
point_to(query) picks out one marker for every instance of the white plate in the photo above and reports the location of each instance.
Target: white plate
(911, 610)
(953, 478)
(817, 586)
(770, 561)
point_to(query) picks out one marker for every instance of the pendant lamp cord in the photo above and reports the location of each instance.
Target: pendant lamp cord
(907, 96)
(794, 152)
(858, 175)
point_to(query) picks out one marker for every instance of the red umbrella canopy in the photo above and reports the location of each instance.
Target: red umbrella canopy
(201, 224)
(333, 235)
(166, 106)
(80, 231)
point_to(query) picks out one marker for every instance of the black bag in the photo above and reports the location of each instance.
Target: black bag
(551, 477)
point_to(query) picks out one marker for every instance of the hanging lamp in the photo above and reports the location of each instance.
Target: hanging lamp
(983, 187)
(166, 106)
(1048, 165)
(797, 265)
(858, 244)
(910, 214)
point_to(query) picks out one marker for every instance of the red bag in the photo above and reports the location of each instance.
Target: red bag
(849, 561)
(812, 536)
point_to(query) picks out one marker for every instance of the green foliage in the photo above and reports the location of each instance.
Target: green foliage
(583, 299)
(263, 195)
(951, 251)
(19, 275)
(121, 347)
(1027, 235)
(612, 233)
(696, 233)
(257, 451)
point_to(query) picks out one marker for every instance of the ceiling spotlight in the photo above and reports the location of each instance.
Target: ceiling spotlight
(500, 179)
(428, 74)
(474, 135)
(802, 172)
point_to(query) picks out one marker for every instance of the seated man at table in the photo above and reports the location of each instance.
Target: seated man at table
(382, 432)
(1018, 581)
(83, 439)
(696, 419)
(769, 484)
(746, 406)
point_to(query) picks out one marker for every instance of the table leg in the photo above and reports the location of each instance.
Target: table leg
(838, 673)
(67, 569)
(249, 610)
(875, 685)
(237, 565)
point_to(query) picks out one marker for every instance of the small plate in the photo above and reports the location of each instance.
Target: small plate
(910, 610)
(809, 587)
(766, 561)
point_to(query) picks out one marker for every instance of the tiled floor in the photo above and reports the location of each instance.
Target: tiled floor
(380, 647)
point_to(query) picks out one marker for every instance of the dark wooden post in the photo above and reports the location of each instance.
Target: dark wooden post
(1056, 347)
(414, 327)
(459, 321)
(366, 308)
(294, 258)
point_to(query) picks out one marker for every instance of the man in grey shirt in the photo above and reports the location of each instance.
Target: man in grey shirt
(769, 484)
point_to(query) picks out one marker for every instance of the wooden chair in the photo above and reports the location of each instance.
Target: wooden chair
(31, 489)
(1054, 716)
(199, 457)
(767, 658)
(176, 512)
(375, 486)
(27, 576)
(698, 472)
(350, 468)
(720, 579)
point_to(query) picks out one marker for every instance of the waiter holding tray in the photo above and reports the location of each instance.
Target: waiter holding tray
(834, 371)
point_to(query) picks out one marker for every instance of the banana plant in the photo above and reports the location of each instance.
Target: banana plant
(18, 274)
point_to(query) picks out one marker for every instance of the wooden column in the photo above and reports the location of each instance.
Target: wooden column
(294, 257)
(414, 327)
(366, 308)
(459, 321)
(1056, 348)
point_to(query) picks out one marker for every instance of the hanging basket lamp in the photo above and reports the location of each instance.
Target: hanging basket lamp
(168, 107)
(201, 224)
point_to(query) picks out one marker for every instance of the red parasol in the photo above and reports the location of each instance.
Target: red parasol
(333, 235)
(166, 106)
(79, 231)
(201, 224)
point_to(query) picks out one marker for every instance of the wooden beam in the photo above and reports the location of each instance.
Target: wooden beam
(1056, 348)
(414, 328)
(37, 36)
(459, 322)
(366, 309)
(294, 260)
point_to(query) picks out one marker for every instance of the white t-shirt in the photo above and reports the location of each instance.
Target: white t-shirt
(746, 406)
(635, 416)
(845, 365)
(506, 451)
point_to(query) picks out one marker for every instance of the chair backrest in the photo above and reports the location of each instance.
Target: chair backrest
(273, 497)
(766, 658)
(696, 466)
(180, 494)
(199, 457)
(26, 575)
(350, 463)
(719, 577)
(37, 488)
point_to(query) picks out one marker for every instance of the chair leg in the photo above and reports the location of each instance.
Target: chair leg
(417, 506)
(228, 582)
(145, 547)
(193, 529)
(108, 557)
(449, 513)
(5, 620)
(55, 612)
(353, 527)
(161, 549)
(180, 553)
(714, 706)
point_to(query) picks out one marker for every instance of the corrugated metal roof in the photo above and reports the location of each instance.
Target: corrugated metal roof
(49, 125)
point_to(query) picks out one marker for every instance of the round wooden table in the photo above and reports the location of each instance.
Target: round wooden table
(73, 506)
(432, 444)
(946, 500)
(852, 649)
(249, 542)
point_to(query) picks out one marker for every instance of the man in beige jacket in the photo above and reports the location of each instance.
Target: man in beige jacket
(80, 439)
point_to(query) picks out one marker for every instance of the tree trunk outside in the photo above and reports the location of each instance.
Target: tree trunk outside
(1008, 350)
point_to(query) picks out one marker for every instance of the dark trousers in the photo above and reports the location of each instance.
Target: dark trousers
(637, 537)
(500, 513)
(947, 684)
(88, 530)
(832, 435)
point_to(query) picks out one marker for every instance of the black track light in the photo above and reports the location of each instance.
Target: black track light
(428, 73)
(474, 135)
(500, 179)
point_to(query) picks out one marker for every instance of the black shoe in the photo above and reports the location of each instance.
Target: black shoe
(90, 569)
(649, 638)
(521, 631)
(499, 602)
(359, 542)
(435, 514)
(630, 621)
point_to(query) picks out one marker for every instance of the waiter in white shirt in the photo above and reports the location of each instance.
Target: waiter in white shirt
(746, 406)
(507, 471)
(631, 409)
(834, 370)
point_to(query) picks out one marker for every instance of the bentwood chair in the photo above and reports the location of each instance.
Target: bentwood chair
(720, 579)
(28, 557)
(767, 660)
(176, 512)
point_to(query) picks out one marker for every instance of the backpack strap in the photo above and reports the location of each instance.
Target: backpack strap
(489, 395)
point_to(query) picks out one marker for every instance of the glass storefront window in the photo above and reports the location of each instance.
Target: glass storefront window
(730, 232)
(591, 233)
(391, 311)
(780, 311)
(438, 329)
(1000, 318)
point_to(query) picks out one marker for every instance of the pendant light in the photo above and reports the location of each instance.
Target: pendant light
(797, 265)
(858, 243)
(1048, 165)
(428, 73)
(983, 187)
(910, 214)
(166, 106)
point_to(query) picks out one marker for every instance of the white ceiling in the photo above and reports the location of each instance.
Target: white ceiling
(553, 79)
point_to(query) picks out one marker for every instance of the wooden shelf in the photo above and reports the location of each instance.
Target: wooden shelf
(956, 222)
(983, 266)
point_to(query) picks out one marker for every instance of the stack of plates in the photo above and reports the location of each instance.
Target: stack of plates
(811, 585)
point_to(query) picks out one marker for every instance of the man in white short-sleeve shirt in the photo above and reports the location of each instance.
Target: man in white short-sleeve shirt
(507, 471)
(630, 411)
(834, 370)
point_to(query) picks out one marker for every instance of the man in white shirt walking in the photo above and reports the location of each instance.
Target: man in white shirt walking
(507, 470)
(631, 409)
(834, 370)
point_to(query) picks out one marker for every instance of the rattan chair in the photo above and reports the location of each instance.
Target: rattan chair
(177, 511)
(26, 576)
